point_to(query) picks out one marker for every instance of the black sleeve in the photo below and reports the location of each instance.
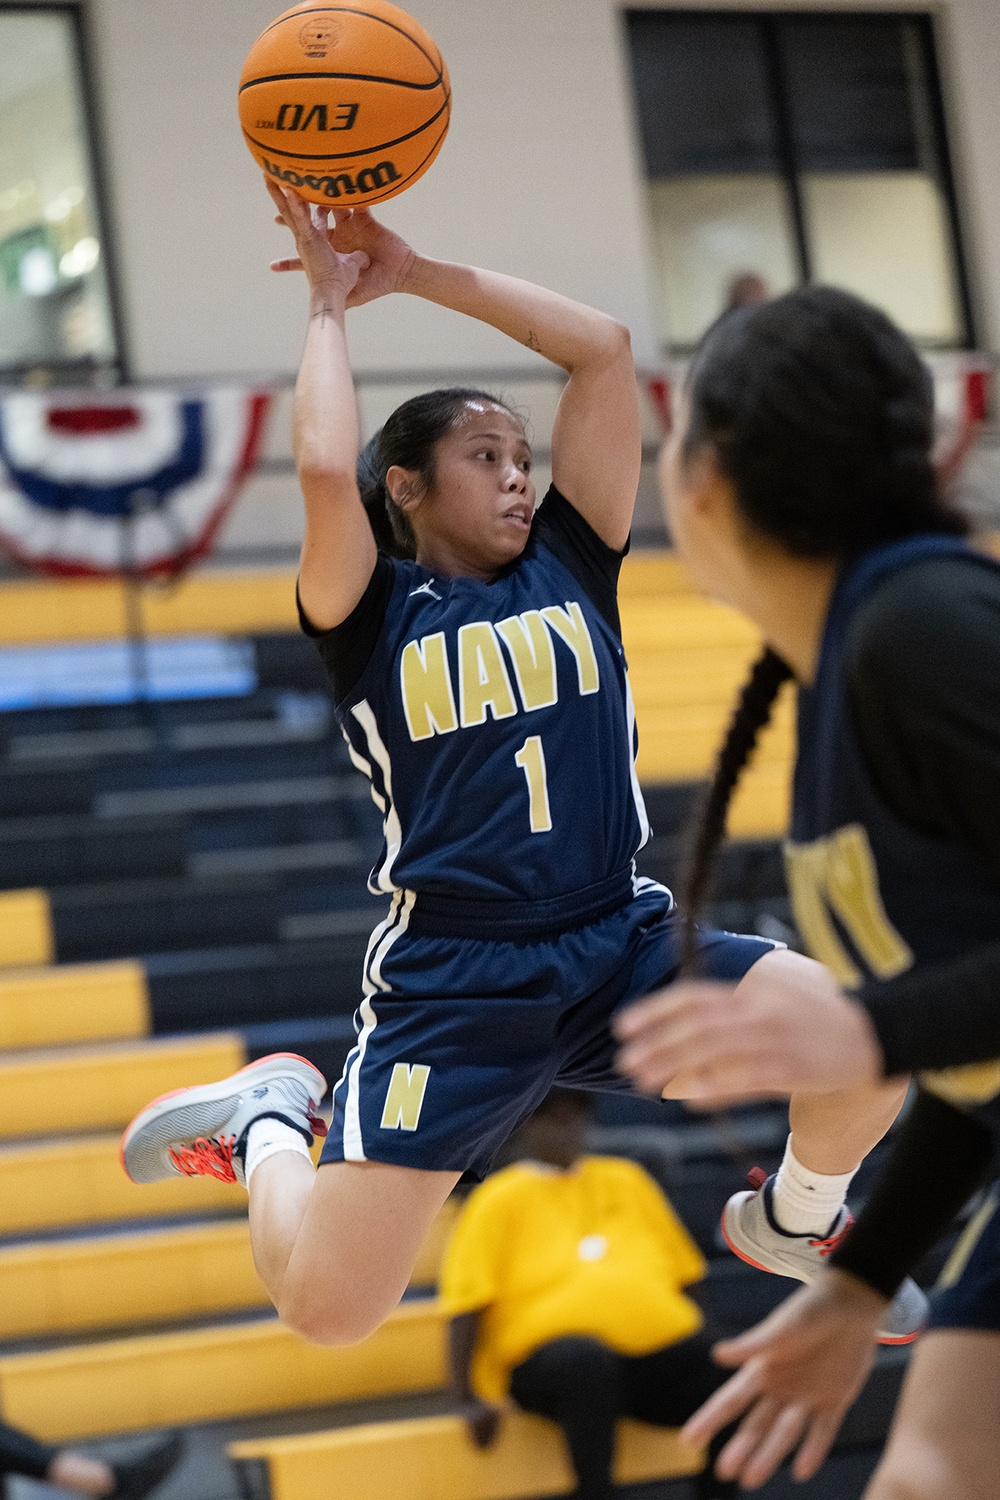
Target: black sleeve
(347, 648)
(562, 530)
(941, 1156)
(22, 1454)
(923, 678)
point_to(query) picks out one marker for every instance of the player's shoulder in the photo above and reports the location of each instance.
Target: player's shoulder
(924, 616)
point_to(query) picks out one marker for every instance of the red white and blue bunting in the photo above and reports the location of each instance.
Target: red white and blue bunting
(135, 482)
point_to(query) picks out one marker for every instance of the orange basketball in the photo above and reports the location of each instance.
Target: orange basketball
(348, 105)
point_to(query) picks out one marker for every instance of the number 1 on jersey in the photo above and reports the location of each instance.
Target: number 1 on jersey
(531, 759)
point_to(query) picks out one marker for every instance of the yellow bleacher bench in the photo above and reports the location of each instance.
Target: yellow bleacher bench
(433, 1458)
(106, 1280)
(73, 1003)
(25, 928)
(210, 1374)
(100, 1087)
(49, 1184)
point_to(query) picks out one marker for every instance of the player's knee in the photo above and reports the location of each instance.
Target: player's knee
(328, 1319)
(916, 1471)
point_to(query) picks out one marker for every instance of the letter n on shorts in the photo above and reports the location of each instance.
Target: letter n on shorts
(405, 1096)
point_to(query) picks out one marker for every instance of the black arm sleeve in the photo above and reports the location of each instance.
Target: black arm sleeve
(923, 676)
(941, 1156)
(560, 528)
(22, 1454)
(347, 648)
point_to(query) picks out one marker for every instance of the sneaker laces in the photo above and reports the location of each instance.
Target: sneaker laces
(204, 1158)
(828, 1245)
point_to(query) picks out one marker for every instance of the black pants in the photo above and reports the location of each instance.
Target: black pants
(585, 1387)
(21, 1454)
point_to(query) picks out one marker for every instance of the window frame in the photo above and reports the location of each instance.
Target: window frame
(787, 166)
(88, 371)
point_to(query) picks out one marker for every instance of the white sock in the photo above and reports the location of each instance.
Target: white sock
(266, 1138)
(806, 1202)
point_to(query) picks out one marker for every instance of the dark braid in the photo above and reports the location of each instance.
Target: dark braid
(750, 716)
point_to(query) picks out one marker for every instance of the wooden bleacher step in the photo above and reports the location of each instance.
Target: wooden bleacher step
(64, 1182)
(149, 1276)
(25, 929)
(204, 1375)
(433, 1458)
(100, 1088)
(73, 1003)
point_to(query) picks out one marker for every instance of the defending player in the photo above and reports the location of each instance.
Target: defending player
(800, 488)
(480, 682)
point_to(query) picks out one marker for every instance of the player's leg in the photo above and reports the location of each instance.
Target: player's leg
(833, 1134)
(945, 1439)
(335, 1248)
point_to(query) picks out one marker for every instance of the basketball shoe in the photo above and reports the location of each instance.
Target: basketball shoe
(752, 1232)
(201, 1132)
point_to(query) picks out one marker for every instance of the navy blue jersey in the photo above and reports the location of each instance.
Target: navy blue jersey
(873, 895)
(495, 722)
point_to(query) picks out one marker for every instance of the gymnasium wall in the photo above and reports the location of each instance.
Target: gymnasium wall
(540, 176)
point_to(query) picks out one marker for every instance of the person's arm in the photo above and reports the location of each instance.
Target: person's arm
(596, 440)
(338, 551)
(483, 1419)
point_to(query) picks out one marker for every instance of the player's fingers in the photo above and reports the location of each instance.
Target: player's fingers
(816, 1444)
(289, 263)
(342, 216)
(667, 1005)
(745, 1440)
(724, 1406)
(700, 1046)
(781, 1436)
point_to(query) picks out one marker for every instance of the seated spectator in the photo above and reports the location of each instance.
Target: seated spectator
(69, 1470)
(563, 1283)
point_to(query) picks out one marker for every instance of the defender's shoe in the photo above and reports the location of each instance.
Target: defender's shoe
(201, 1132)
(752, 1232)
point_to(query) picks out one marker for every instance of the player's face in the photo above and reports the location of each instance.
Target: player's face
(698, 503)
(479, 508)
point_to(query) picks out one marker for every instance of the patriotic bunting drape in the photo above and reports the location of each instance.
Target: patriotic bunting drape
(132, 482)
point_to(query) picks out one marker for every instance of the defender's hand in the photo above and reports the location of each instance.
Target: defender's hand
(798, 1373)
(787, 1026)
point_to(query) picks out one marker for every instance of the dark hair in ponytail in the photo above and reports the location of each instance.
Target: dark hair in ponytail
(408, 440)
(821, 414)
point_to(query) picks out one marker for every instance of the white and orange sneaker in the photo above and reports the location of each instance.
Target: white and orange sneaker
(752, 1232)
(201, 1131)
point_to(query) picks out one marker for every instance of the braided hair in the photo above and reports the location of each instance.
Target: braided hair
(821, 416)
(408, 440)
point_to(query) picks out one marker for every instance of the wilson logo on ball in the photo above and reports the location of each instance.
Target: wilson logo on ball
(370, 180)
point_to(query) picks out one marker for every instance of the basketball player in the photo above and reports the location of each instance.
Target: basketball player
(800, 489)
(480, 682)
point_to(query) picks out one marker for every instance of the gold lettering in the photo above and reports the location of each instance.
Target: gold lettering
(533, 658)
(571, 627)
(428, 699)
(836, 876)
(482, 677)
(405, 1096)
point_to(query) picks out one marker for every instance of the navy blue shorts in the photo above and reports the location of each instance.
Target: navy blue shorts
(459, 1039)
(968, 1291)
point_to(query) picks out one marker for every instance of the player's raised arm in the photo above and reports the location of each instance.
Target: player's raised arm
(596, 443)
(338, 553)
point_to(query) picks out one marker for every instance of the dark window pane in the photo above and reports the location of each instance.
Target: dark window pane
(701, 93)
(851, 92)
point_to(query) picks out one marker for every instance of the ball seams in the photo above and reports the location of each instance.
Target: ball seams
(399, 83)
(348, 10)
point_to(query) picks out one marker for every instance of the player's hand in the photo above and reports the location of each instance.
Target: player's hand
(483, 1422)
(798, 1372)
(356, 232)
(786, 1027)
(330, 271)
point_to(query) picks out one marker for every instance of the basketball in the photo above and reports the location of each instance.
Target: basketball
(349, 106)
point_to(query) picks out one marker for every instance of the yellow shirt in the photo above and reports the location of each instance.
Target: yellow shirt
(596, 1251)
